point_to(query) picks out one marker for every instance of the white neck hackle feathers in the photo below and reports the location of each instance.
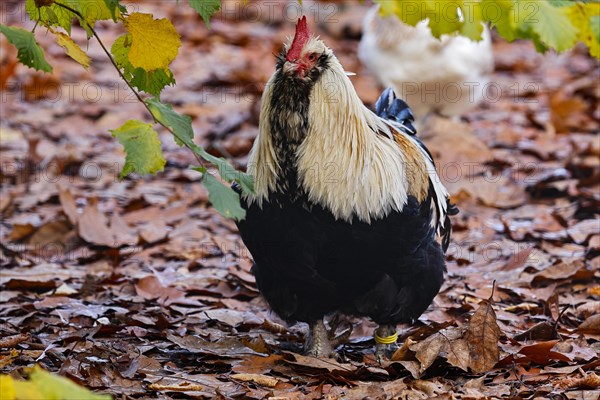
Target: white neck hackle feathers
(351, 161)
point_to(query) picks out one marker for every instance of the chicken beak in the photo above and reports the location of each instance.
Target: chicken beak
(289, 67)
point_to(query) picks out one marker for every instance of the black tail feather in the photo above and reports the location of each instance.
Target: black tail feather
(390, 107)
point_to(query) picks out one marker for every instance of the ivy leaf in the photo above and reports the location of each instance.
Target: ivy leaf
(154, 42)
(29, 51)
(181, 124)
(152, 82)
(223, 198)
(72, 49)
(206, 8)
(142, 148)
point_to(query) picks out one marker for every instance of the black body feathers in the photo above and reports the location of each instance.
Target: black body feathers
(308, 264)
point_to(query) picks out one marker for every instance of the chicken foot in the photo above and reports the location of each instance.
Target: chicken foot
(385, 339)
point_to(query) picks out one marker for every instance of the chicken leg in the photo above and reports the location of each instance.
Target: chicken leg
(385, 339)
(317, 344)
(322, 342)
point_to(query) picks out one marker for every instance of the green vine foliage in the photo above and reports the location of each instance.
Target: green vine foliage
(142, 57)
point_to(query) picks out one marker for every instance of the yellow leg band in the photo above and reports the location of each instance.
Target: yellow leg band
(386, 340)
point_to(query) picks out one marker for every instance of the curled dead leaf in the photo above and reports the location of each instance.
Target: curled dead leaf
(263, 380)
(590, 381)
(176, 387)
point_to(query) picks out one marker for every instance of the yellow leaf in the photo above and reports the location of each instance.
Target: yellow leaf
(7, 388)
(72, 49)
(154, 42)
(580, 15)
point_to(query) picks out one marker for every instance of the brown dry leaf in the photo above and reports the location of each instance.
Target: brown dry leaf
(24, 225)
(122, 233)
(183, 386)
(483, 334)
(567, 111)
(589, 381)
(540, 331)
(541, 353)
(225, 347)
(154, 231)
(459, 355)
(565, 270)
(429, 349)
(67, 201)
(263, 380)
(257, 364)
(584, 229)
(328, 365)
(151, 288)
(94, 227)
(13, 341)
(41, 86)
(590, 325)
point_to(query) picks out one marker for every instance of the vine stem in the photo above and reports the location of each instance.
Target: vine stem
(135, 92)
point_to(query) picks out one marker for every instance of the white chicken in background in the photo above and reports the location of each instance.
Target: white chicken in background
(446, 76)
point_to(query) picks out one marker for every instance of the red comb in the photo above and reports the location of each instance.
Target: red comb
(300, 39)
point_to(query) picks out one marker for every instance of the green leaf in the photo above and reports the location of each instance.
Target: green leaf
(142, 148)
(472, 26)
(551, 24)
(44, 385)
(29, 51)
(500, 14)
(181, 124)
(52, 15)
(115, 8)
(223, 198)
(92, 11)
(152, 82)
(184, 135)
(595, 27)
(206, 8)
(246, 182)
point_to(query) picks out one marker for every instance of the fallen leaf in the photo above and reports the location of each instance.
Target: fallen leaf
(263, 380)
(482, 336)
(67, 201)
(590, 325)
(541, 353)
(589, 381)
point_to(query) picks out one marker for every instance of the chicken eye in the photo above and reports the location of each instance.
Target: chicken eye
(312, 56)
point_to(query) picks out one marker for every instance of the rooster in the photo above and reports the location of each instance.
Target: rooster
(346, 203)
(447, 76)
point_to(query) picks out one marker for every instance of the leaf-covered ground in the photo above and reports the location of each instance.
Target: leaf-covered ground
(138, 288)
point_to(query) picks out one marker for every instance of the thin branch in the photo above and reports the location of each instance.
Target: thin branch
(135, 92)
